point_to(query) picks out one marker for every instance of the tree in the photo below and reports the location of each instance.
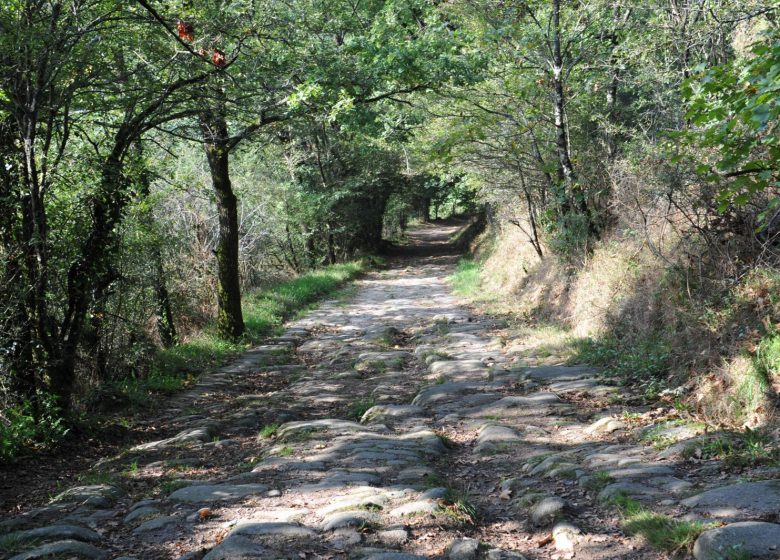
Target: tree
(71, 91)
(310, 59)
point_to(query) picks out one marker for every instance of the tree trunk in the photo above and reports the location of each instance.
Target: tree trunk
(15, 303)
(612, 89)
(165, 325)
(572, 192)
(331, 248)
(566, 174)
(230, 320)
(89, 275)
(534, 237)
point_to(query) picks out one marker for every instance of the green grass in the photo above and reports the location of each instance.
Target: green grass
(658, 436)
(300, 435)
(285, 451)
(642, 363)
(358, 408)
(97, 477)
(598, 481)
(735, 552)
(466, 280)
(438, 355)
(265, 311)
(459, 506)
(16, 543)
(171, 485)
(268, 430)
(660, 531)
(739, 449)
(755, 385)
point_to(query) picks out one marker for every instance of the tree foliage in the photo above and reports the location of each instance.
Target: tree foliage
(735, 114)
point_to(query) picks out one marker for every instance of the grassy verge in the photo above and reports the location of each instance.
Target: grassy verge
(175, 368)
(264, 313)
(467, 281)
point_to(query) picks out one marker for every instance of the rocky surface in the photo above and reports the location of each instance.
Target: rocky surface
(396, 424)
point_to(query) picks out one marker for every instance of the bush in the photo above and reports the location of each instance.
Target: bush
(19, 429)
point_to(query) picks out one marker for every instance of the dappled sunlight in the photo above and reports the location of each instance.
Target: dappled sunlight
(395, 420)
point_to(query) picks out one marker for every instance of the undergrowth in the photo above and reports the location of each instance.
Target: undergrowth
(641, 363)
(172, 369)
(22, 427)
(738, 449)
(264, 312)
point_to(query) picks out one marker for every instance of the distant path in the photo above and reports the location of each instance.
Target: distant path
(391, 424)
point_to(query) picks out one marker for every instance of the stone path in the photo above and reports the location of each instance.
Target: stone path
(393, 425)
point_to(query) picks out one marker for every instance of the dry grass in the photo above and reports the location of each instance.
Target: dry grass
(631, 294)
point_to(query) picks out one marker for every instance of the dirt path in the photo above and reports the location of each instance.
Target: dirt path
(395, 424)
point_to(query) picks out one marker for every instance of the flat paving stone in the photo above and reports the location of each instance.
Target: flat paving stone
(236, 547)
(416, 475)
(671, 484)
(373, 360)
(564, 537)
(443, 392)
(382, 412)
(50, 532)
(501, 554)
(140, 513)
(742, 501)
(750, 539)
(393, 536)
(629, 488)
(200, 434)
(155, 524)
(457, 368)
(462, 549)
(387, 555)
(641, 471)
(97, 495)
(559, 373)
(606, 425)
(547, 510)
(530, 405)
(341, 478)
(355, 518)
(216, 492)
(586, 384)
(278, 515)
(417, 507)
(376, 501)
(68, 548)
(271, 532)
(291, 430)
(426, 440)
(492, 436)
